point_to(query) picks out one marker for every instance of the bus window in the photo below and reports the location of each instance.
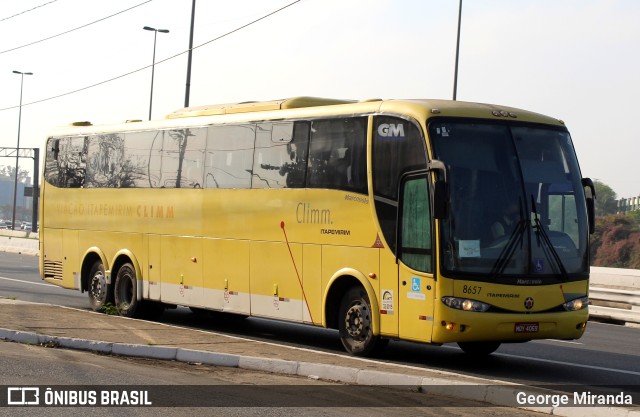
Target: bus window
(398, 147)
(278, 156)
(66, 162)
(180, 153)
(337, 155)
(229, 157)
(110, 165)
(416, 225)
(190, 144)
(51, 165)
(562, 213)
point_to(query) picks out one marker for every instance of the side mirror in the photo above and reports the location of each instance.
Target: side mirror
(440, 198)
(591, 205)
(440, 195)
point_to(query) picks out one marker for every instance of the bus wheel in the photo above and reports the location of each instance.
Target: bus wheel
(479, 348)
(356, 323)
(100, 293)
(126, 291)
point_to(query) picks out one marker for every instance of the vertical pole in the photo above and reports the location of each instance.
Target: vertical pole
(36, 188)
(188, 87)
(153, 66)
(455, 77)
(15, 183)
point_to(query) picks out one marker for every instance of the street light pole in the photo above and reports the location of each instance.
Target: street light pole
(187, 91)
(455, 76)
(15, 183)
(153, 63)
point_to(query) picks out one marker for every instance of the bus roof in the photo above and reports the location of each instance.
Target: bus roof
(253, 106)
(420, 109)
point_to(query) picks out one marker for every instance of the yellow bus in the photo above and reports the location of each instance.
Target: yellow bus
(425, 220)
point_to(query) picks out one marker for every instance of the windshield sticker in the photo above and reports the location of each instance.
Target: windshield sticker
(442, 131)
(469, 248)
(538, 265)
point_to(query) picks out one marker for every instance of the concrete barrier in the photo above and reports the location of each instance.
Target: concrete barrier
(19, 242)
(615, 295)
(615, 277)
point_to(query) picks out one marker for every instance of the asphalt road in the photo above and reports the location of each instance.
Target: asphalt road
(606, 355)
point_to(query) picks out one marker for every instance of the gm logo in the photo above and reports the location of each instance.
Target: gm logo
(392, 131)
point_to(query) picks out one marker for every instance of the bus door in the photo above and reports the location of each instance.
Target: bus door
(415, 259)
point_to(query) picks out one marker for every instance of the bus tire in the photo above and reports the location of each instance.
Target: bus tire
(100, 293)
(479, 348)
(356, 323)
(126, 291)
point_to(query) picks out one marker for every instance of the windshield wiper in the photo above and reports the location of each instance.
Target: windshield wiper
(509, 249)
(542, 235)
(507, 252)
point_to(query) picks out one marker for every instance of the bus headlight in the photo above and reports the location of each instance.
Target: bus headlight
(465, 304)
(577, 304)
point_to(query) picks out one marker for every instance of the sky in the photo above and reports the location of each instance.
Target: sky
(576, 60)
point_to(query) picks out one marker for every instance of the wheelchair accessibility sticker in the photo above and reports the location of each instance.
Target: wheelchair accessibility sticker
(416, 293)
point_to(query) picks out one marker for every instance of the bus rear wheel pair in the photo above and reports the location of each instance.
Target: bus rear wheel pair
(122, 295)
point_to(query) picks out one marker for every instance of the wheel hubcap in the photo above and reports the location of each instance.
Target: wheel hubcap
(357, 321)
(98, 286)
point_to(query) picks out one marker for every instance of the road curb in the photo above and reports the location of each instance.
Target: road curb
(492, 394)
(208, 358)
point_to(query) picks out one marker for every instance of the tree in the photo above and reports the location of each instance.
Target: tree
(635, 216)
(616, 242)
(9, 171)
(605, 199)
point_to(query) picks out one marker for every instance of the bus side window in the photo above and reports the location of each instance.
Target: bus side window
(228, 160)
(415, 225)
(398, 147)
(189, 145)
(337, 155)
(72, 162)
(51, 165)
(106, 166)
(275, 153)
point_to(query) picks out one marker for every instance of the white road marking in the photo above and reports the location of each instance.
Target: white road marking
(46, 284)
(577, 365)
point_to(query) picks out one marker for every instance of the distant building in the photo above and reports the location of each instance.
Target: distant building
(628, 204)
(6, 192)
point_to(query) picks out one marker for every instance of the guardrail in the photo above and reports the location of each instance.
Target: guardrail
(615, 295)
(614, 292)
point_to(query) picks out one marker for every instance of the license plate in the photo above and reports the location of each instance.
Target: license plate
(527, 327)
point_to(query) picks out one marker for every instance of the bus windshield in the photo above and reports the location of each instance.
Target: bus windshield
(517, 210)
